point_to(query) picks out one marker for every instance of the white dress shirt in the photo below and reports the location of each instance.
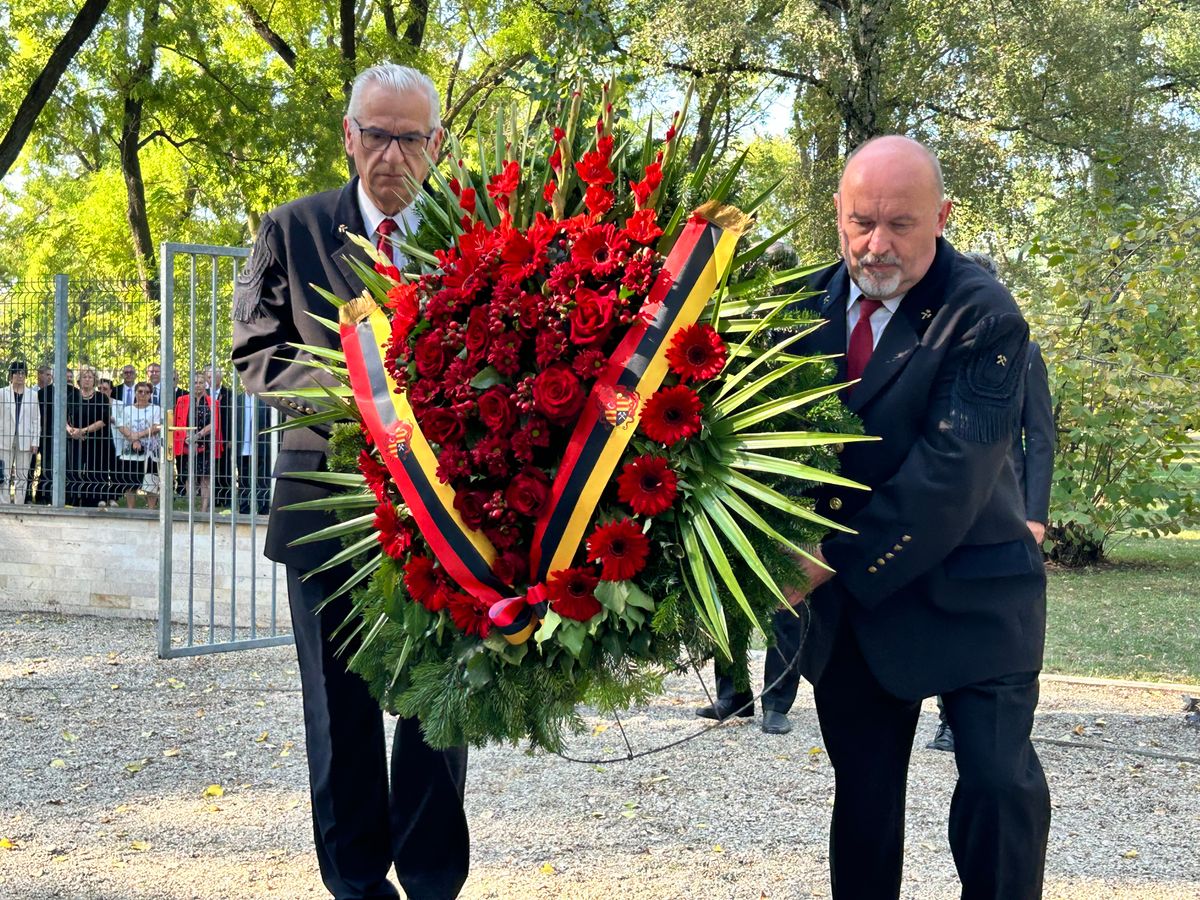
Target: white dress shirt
(407, 219)
(879, 319)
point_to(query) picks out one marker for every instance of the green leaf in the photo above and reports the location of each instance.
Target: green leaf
(760, 462)
(702, 589)
(612, 595)
(344, 556)
(720, 561)
(571, 635)
(755, 388)
(776, 407)
(371, 565)
(486, 378)
(747, 512)
(732, 381)
(342, 479)
(769, 440)
(545, 631)
(479, 671)
(350, 526)
(338, 501)
(737, 539)
(771, 497)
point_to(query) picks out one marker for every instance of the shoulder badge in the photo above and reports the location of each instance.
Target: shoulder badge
(247, 289)
(990, 385)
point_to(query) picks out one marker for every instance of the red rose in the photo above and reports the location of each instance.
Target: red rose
(557, 393)
(592, 317)
(441, 426)
(470, 506)
(430, 355)
(528, 492)
(510, 567)
(496, 410)
(477, 336)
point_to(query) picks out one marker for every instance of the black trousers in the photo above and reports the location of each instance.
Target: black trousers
(781, 671)
(1000, 811)
(361, 827)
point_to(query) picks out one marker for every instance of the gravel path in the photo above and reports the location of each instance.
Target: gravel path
(126, 777)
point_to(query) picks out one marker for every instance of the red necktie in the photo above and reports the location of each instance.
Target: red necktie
(386, 228)
(861, 340)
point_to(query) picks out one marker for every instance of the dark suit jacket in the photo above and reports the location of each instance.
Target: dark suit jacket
(299, 244)
(942, 584)
(1033, 442)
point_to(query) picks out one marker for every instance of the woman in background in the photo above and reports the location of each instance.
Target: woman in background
(203, 441)
(89, 448)
(138, 426)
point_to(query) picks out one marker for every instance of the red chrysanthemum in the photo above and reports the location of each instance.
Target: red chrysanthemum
(572, 593)
(621, 549)
(648, 485)
(391, 532)
(375, 473)
(696, 353)
(470, 615)
(672, 414)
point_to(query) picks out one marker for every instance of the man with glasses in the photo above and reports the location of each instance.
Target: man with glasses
(123, 393)
(391, 130)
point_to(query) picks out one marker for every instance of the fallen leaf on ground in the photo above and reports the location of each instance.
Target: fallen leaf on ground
(6, 844)
(214, 790)
(171, 751)
(58, 764)
(547, 869)
(136, 766)
(1129, 854)
(69, 738)
(262, 737)
(139, 845)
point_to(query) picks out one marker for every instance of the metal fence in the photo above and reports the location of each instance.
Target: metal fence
(137, 406)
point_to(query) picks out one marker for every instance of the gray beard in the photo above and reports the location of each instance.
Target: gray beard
(875, 287)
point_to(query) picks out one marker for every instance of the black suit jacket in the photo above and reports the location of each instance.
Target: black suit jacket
(1033, 442)
(299, 244)
(942, 583)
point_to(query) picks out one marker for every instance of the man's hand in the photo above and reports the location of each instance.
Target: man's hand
(815, 574)
(1038, 529)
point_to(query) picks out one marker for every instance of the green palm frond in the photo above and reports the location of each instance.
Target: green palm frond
(761, 462)
(771, 408)
(764, 494)
(776, 440)
(750, 514)
(720, 516)
(702, 589)
(341, 529)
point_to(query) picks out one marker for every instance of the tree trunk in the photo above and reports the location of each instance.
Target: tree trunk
(704, 123)
(131, 166)
(861, 102)
(269, 34)
(347, 29)
(43, 86)
(418, 17)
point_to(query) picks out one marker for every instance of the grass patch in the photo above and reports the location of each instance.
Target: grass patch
(1136, 617)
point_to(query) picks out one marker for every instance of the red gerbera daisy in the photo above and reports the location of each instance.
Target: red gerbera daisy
(648, 485)
(470, 615)
(422, 584)
(620, 548)
(672, 414)
(572, 593)
(696, 353)
(391, 532)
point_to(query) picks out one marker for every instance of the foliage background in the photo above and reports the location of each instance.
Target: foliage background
(1068, 133)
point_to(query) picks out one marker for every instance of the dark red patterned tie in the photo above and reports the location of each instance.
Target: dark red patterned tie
(385, 229)
(861, 341)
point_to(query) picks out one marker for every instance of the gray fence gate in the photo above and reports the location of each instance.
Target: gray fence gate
(217, 592)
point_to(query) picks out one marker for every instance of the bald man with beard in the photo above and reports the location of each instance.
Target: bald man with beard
(939, 587)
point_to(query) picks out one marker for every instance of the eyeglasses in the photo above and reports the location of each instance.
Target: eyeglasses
(412, 144)
(141, 391)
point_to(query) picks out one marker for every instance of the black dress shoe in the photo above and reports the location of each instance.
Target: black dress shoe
(723, 709)
(775, 722)
(943, 739)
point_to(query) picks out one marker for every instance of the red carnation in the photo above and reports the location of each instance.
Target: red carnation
(621, 549)
(528, 491)
(572, 593)
(697, 352)
(648, 484)
(422, 584)
(470, 615)
(391, 532)
(589, 364)
(375, 473)
(557, 393)
(671, 414)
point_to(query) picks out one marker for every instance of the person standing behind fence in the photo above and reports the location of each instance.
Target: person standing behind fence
(125, 393)
(139, 426)
(89, 450)
(202, 441)
(20, 431)
(391, 124)
(221, 473)
(38, 489)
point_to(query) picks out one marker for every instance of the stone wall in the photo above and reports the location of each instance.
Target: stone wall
(106, 563)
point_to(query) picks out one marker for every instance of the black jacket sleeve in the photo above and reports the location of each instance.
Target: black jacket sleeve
(1037, 426)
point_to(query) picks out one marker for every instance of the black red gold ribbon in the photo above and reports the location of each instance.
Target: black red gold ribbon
(699, 258)
(466, 555)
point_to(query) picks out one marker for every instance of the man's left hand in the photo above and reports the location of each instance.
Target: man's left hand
(814, 574)
(1038, 529)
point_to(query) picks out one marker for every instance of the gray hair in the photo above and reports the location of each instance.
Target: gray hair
(984, 261)
(929, 154)
(398, 78)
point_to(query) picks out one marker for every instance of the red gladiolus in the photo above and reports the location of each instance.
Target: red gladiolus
(469, 614)
(559, 134)
(467, 200)
(548, 191)
(697, 352)
(502, 184)
(642, 226)
(572, 593)
(593, 169)
(648, 484)
(672, 414)
(402, 299)
(597, 200)
(621, 549)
